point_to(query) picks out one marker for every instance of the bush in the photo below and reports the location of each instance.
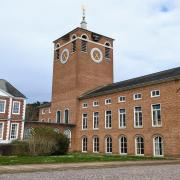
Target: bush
(14, 148)
(45, 141)
(62, 145)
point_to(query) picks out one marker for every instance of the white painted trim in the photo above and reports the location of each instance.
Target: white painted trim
(152, 115)
(19, 107)
(94, 103)
(105, 120)
(83, 121)
(106, 145)
(24, 111)
(137, 98)
(108, 99)
(10, 108)
(93, 144)
(22, 131)
(154, 146)
(3, 100)
(122, 97)
(2, 130)
(136, 145)
(92, 55)
(83, 39)
(8, 130)
(135, 117)
(87, 37)
(93, 121)
(84, 107)
(68, 114)
(61, 56)
(16, 131)
(155, 95)
(72, 39)
(107, 42)
(82, 144)
(120, 145)
(60, 116)
(123, 127)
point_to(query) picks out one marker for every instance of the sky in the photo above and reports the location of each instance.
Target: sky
(146, 33)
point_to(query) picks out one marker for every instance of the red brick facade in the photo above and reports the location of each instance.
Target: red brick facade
(10, 120)
(81, 74)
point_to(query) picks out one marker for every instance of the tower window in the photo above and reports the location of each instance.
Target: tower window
(57, 54)
(84, 43)
(66, 116)
(107, 50)
(73, 43)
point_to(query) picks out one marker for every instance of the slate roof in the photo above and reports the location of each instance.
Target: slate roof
(7, 87)
(155, 78)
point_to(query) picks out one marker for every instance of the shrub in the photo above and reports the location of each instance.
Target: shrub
(62, 145)
(14, 148)
(45, 141)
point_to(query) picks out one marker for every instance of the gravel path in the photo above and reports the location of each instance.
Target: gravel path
(160, 172)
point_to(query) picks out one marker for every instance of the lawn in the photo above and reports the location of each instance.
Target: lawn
(69, 158)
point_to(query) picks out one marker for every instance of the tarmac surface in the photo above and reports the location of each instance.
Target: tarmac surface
(148, 172)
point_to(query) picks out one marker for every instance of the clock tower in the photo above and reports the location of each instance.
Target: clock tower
(83, 60)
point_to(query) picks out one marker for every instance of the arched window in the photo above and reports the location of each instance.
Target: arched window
(57, 51)
(123, 145)
(158, 146)
(84, 43)
(66, 116)
(58, 117)
(84, 144)
(73, 38)
(96, 144)
(67, 133)
(139, 144)
(108, 143)
(107, 50)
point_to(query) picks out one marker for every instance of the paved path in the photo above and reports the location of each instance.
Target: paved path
(158, 172)
(88, 165)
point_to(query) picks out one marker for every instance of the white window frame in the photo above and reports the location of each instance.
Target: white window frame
(95, 105)
(108, 127)
(107, 146)
(43, 111)
(136, 151)
(121, 115)
(16, 131)
(60, 118)
(154, 150)
(106, 101)
(83, 105)
(134, 96)
(2, 132)
(156, 90)
(65, 115)
(119, 99)
(97, 120)
(4, 106)
(137, 126)
(83, 121)
(152, 115)
(122, 153)
(97, 144)
(83, 144)
(18, 107)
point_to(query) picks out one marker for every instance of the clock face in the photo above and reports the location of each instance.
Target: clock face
(96, 55)
(64, 56)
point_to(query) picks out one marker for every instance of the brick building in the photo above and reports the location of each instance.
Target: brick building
(12, 112)
(139, 116)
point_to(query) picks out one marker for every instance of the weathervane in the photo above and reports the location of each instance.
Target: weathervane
(83, 22)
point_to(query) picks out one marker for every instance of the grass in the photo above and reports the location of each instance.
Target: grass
(69, 158)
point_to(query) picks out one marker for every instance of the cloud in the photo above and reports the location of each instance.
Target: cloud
(147, 36)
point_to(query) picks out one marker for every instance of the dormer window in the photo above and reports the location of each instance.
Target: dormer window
(84, 43)
(107, 50)
(73, 43)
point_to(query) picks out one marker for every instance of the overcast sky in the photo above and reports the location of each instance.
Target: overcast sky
(146, 33)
